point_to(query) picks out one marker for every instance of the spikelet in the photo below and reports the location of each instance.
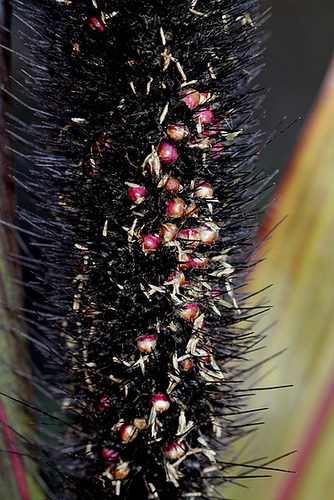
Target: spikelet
(144, 161)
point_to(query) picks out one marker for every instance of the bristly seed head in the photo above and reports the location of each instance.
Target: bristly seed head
(150, 131)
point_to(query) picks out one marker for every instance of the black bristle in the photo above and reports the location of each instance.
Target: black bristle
(146, 368)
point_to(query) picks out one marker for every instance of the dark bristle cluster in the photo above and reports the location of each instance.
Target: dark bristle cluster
(144, 160)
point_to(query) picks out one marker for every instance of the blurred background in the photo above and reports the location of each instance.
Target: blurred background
(298, 50)
(299, 262)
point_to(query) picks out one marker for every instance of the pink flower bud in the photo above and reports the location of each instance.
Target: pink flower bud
(103, 404)
(108, 454)
(175, 451)
(181, 277)
(183, 260)
(167, 153)
(216, 293)
(150, 243)
(160, 403)
(168, 232)
(189, 312)
(204, 97)
(205, 117)
(177, 132)
(207, 235)
(191, 210)
(203, 190)
(172, 186)
(137, 194)
(217, 150)
(191, 98)
(199, 262)
(128, 432)
(146, 343)
(189, 237)
(95, 23)
(120, 471)
(175, 208)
